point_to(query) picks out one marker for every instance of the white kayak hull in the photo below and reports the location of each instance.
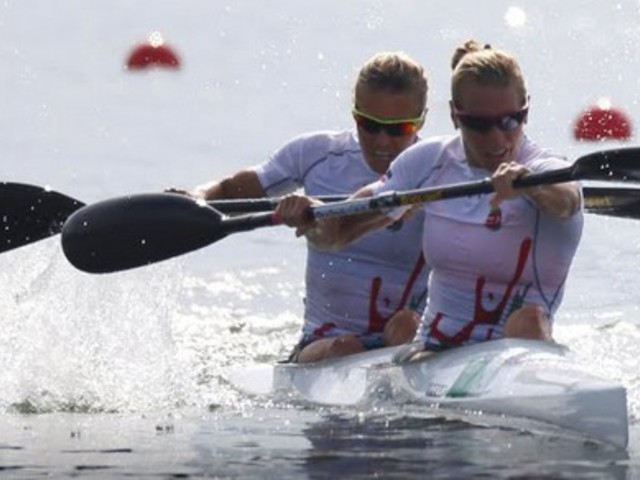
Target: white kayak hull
(527, 379)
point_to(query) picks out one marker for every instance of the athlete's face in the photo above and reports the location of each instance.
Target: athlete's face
(381, 145)
(491, 121)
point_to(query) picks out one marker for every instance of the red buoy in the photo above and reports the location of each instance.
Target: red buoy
(153, 53)
(602, 122)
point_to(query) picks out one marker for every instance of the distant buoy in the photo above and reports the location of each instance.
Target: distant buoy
(602, 122)
(153, 53)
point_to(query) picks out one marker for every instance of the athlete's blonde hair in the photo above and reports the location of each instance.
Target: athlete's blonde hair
(486, 66)
(395, 72)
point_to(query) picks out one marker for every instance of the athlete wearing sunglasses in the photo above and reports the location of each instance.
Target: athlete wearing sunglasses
(498, 263)
(399, 115)
(367, 295)
(491, 119)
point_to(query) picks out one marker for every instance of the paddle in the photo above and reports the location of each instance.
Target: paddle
(29, 213)
(612, 201)
(32, 213)
(132, 231)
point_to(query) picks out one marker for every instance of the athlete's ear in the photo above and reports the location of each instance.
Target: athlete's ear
(452, 109)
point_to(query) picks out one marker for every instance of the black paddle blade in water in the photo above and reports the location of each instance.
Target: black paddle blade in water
(29, 213)
(127, 232)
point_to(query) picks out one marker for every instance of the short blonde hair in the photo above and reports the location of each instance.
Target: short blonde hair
(395, 72)
(486, 66)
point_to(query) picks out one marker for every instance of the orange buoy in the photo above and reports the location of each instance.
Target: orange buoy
(602, 122)
(153, 53)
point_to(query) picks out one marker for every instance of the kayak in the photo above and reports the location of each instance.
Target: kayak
(527, 379)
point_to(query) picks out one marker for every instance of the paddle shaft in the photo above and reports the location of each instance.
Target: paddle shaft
(599, 200)
(432, 194)
(251, 205)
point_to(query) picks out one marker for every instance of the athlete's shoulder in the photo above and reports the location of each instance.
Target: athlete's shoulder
(539, 158)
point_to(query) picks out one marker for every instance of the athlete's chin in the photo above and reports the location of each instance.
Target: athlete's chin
(380, 161)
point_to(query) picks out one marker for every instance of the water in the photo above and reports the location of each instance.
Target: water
(281, 443)
(125, 374)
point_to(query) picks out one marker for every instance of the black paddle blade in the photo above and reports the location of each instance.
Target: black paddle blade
(612, 201)
(621, 164)
(129, 232)
(29, 213)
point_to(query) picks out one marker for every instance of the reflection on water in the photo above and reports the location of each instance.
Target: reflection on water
(410, 446)
(281, 442)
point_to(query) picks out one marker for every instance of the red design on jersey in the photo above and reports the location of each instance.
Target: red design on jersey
(320, 331)
(481, 315)
(494, 219)
(376, 321)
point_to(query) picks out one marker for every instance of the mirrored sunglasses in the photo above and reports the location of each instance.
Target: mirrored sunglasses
(482, 124)
(392, 127)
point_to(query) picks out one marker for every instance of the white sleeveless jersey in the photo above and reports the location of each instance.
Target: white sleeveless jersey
(483, 266)
(358, 288)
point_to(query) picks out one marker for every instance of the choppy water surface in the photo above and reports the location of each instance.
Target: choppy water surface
(125, 375)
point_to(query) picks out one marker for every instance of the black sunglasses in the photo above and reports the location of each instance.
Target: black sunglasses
(482, 124)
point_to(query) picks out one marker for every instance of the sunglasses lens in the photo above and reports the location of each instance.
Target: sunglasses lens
(479, 124)
(401, 129)
(508, 123)
(392, 129)
(369, 126)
